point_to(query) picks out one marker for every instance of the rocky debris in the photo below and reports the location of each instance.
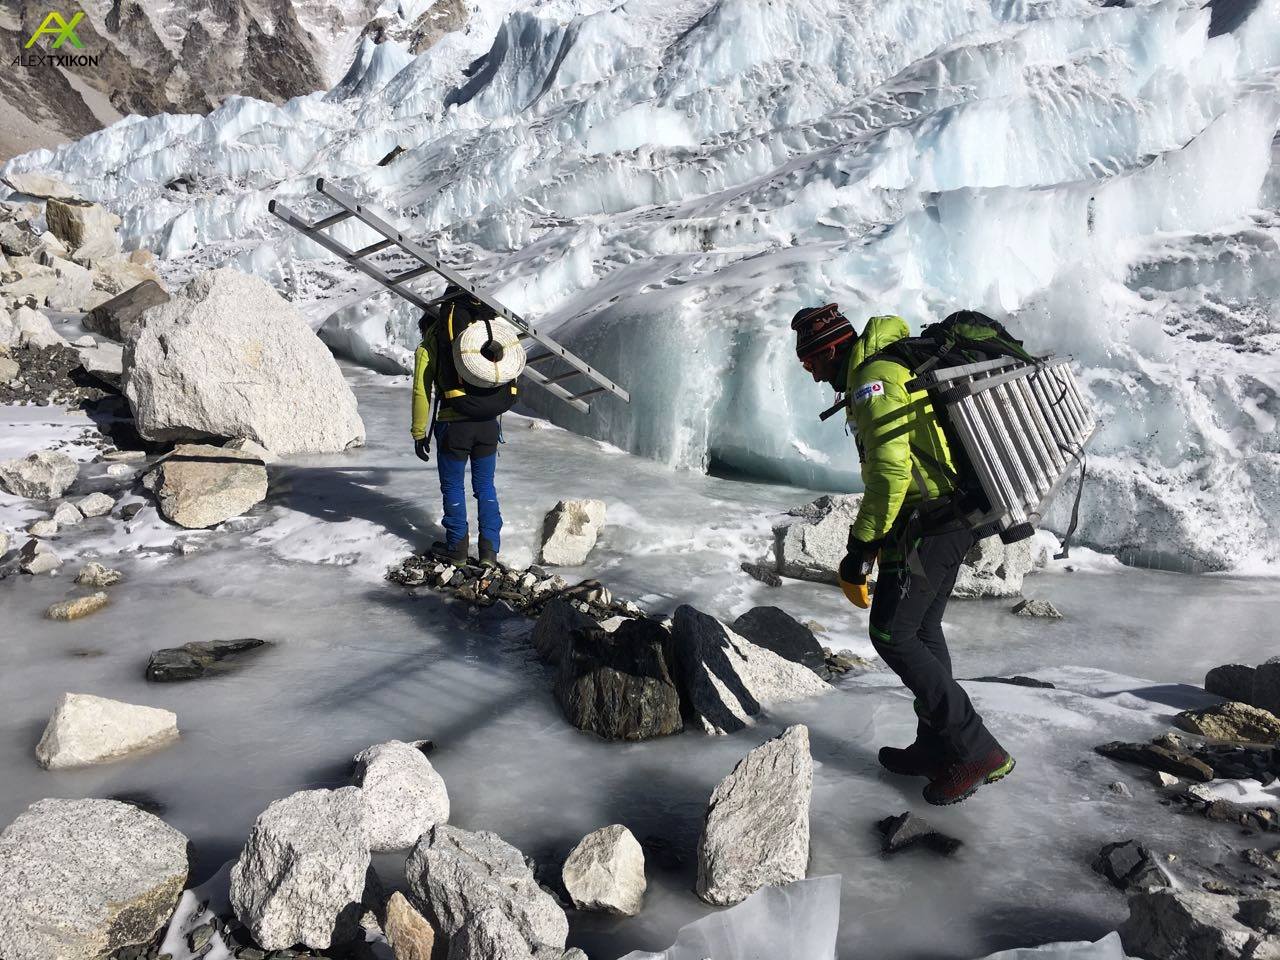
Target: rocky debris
(1017, 680)
(994, 569)
(555, 627)
(756, 830)
(907, 830)
(94, 574)
(617, 684)
(200, 486)
(570, 530)
(1231, 721)
(846, 661)
(762, 572)
(77, 607)
(407, 931)
(1165, 780)
(85, 729)
(86, 228)
(44, 529)
(1172, 761)
(51, 376)
(1036, 608)
(455, 875)
(43, 475)
(774, 629)
(120, 316)
(810, 541)
(9, 370)
(404, 794)
(725, 680)
(605, 871)
(83, 879)
(37, 557)
(67, 515)
(1129, 866)
(96, 505)
(1172, 924)
(1120, 789)
(200, 658)
(302, 874)
(229, 357)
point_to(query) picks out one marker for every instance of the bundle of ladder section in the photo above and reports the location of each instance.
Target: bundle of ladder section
(1023, 427)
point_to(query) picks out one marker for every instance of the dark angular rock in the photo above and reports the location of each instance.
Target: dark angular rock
(1128, 865)
(1266, 687)
(776, 630)
(1017, 681)
(1171, 761)
(119, 316)
(763, 572)
(197, 659)
(554, 628)
(1232, 681)
(907, 830)
(617, 685)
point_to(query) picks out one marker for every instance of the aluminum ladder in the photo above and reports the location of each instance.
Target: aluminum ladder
(566, 366)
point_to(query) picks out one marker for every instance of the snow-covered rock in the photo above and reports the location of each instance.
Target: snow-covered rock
(88, 229)
(570, 530)
(1193, 925)
(726, 680)
(405, 795)
(605, 871)
(201, 486)
(86, 729)
(302, 873)
(757, 824)
(456, 875)
(81, 879)
(229, 357)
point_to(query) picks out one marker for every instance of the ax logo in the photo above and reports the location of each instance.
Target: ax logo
(64, 30)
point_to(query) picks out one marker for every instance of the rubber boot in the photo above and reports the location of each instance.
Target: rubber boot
(488, 555)
(959, 781)
(456, 555)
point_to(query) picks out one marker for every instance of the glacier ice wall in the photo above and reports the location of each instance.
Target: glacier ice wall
(665, 183)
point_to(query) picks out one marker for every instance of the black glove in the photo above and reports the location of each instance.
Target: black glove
(423, 449)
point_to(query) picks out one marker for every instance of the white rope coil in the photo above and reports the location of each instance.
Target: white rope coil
(474, 367)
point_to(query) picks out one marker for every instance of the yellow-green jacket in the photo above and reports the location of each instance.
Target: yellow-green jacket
(900, 442)
(424, 381)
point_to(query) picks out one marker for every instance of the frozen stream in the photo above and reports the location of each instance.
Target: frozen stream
(359, 661)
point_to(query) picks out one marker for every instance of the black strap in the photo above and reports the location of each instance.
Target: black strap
(431, 424)
(835, 408)
(1075, 513)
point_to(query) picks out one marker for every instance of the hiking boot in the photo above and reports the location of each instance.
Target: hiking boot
(488, 555)
(918, 760)
(457, 554)
(959, 781)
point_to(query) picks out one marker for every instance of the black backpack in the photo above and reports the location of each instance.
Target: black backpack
(467, 400)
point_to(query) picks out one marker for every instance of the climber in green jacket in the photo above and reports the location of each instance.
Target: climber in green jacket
(903, 521)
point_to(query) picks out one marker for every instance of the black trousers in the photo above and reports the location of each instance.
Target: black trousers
(906, 630)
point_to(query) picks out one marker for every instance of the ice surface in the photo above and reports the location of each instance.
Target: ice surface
(1108, 948)
(664, 183)
(358, 662)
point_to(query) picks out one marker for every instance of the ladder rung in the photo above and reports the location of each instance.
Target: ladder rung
(373, 248)
(411, 274)
(589, 393)
(561, 377)
(330, 220)
(540, 358)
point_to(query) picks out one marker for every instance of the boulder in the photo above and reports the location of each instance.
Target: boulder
(605, 871)
(994, 569)
(43, 529)
(907, 830)
(454, 875)
(112, 276)
(77, 607)
(201, 486)
(8, 331)
(120, 316)
(489, 935)
(9, 369)
(1266, 687)
(200, 658)
(775, 629)
(73, 289)
(104, 361)
(1169, 759)
(88, 229)
(1191, 925)
(1232, 681)
(49, 248)
(17, 240)
(37, 557)
(35, 330)
(37, 184)
(810, 541)
(302, 873)
(756, 830)
(554, 627)
(617, 684)
(67, 515)
(43, 475)
(96, 505)
(404, 794)
(1036, 608)
(85, 729)
(569, 531)
(34, 283)
(1231, 721)
(94, 574)
(407, 931)
(725, 680)
(82, 879)
(1129, 866)
(229, 357)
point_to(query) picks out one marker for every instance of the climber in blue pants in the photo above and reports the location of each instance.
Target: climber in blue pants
(458, 442)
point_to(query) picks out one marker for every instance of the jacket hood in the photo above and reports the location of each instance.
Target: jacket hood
(876, 335)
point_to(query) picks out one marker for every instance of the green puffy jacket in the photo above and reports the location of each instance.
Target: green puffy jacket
(899, 437)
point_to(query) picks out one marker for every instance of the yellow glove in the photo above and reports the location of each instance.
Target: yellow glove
(856, 566)
(857, 593)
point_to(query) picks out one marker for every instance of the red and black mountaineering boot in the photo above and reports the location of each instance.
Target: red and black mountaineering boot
(959, 781)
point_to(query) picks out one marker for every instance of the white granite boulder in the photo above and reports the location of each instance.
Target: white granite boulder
(404, 794)
(88, 229)
(200, 486)
(85, 729)
(605, 871)
(570, 530)
(43, 475)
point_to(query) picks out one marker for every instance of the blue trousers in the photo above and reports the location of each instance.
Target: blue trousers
(458, 442)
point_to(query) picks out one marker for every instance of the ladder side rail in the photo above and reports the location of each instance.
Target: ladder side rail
(1034, 457)
(1019, 486)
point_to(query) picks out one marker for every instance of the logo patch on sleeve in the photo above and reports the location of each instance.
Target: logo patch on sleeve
(868, 390)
